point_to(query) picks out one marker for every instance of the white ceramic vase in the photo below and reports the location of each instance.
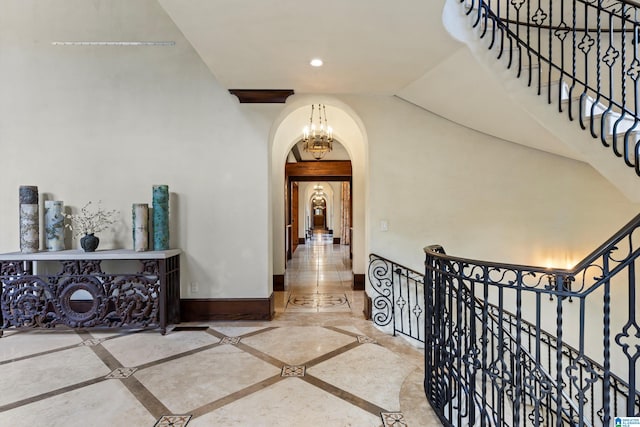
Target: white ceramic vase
(140, 226)
(54, 225)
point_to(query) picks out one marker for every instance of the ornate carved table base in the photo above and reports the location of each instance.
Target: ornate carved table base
(148, 298)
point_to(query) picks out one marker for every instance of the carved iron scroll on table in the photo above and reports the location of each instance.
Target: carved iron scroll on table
(117, 300)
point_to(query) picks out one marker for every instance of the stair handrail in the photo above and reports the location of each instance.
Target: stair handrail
(566, 275)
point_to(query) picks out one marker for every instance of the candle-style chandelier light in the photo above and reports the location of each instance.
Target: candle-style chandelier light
(318, 136)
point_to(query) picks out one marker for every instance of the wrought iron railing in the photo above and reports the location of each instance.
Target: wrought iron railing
(489, 361)
(398, 303)
(583, 54)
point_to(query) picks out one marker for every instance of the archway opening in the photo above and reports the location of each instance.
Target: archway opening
(286, 135)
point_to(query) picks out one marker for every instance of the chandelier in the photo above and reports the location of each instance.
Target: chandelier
(318, 137)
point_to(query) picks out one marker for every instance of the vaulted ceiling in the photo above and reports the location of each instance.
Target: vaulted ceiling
(373, 47)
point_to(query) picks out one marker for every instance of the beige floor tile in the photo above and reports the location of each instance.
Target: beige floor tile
(289, 403)
(31, 377)
(105, 404)
(156, 346)
(381, 386)
(185, 384)
(14, 345)
(297, 345)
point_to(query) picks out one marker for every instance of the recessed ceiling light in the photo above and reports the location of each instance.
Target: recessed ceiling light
(316, 62)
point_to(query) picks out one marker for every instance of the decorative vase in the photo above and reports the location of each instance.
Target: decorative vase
(54, 225)
(160, 217)
(140, 226)
(29, 219)
(89, 242)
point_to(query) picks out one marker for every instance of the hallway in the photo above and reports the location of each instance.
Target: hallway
(318, 363)
(318, 279)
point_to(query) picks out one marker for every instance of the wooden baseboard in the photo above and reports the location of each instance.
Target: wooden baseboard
(358, 282)
(278, 282)
(368, 307)
(197, 310)
(302, 240)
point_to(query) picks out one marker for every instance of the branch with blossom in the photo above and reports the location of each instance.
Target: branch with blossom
(90, 221)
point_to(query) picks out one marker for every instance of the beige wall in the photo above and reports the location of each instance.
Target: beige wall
(106, 123)
(435, 182)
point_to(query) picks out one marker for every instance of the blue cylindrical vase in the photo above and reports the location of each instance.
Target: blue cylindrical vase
(160, 217)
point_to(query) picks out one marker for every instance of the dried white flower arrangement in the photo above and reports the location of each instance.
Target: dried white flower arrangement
(90, 221)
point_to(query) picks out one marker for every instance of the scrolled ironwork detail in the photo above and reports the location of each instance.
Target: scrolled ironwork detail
(539, 17)
(629, 340)
(24, 303)
(11, 268)
(83, 295)
(81, 267)
(136, 302)
(381, 283)
(634, 69)
(517, 4)
(610, 56)
(64, 302)
(398, 294)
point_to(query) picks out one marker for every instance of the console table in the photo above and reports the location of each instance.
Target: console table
(82, 295)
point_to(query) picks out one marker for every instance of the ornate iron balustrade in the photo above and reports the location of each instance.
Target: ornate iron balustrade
(583, 54)
(399, 300)
(487, 366)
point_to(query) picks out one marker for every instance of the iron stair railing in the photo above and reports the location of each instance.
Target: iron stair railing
(582, 54)
(489, 359)
(479, 353)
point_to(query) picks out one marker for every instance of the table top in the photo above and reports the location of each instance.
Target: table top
(79, 254)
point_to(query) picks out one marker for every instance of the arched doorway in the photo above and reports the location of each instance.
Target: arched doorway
(318, 210)
(286, 133)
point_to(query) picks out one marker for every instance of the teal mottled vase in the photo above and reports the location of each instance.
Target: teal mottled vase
(160, 217)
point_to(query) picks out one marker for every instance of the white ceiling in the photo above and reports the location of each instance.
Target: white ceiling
(369, 47)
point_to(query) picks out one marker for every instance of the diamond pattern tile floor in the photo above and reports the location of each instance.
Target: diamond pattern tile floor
(307, 367)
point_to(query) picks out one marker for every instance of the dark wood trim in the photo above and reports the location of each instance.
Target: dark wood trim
(278, 282)
(320, 178)
(336, 240)
(199, 310)
(358, 282)
(262, 96)
(302, 240)
(315, 169)
(368, 307)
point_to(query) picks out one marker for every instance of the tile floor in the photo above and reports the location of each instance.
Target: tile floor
(318, 363)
